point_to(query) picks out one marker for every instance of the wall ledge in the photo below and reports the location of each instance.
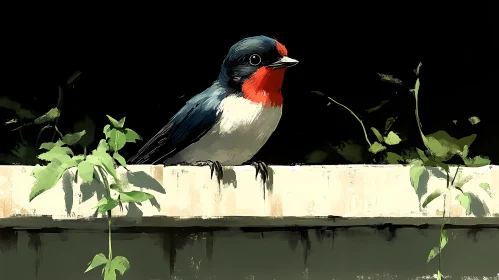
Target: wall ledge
(318, 195)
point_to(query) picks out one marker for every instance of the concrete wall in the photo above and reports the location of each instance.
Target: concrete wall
(356, 222)
(355, 253)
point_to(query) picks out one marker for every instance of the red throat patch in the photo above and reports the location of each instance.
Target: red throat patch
(264, 86)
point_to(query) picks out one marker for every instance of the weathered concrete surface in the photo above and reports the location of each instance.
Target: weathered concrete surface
(355, 253)
(296, 195)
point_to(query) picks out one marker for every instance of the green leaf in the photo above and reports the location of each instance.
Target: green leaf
(486, 187)
(120, 159)
(122, 122)
(416, 89)
(107, 129)
(46, 177)
(351, 151)
(86, 171)
(114, 122)
(474, 120)
(376, 148)
(393, 158)
(433, 253)
(79, 158)
(444, 146)
(37, 169)
(120, 264)
(378, 135)
(465, 201)
(443, 239)
(392, 138)
(436, 250)
(108, 163)
(73, 138)
(103, 146)
(50, 145)
(442, 165)
(6, 103)
(97, 261)
(376, 108)
(116, 187)
(435, 194)
(418, 68)
(390, 79)
(51, 115)
(135, 196)
(462, 181)
(131, 136)
(422, 155)
(117, 139)
(105, 160)
(476, 161)
(464, 153)
(415, 173)
(60, 154)
(318, 93)
(109, 272)
(106, 204)
(389, 123)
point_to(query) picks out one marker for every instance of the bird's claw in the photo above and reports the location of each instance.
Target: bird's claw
(262, 169)
(215, 167)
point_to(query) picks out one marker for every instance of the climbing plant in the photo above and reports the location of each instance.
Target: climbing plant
(439, 148)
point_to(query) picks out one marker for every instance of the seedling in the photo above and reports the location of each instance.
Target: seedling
(100, 165)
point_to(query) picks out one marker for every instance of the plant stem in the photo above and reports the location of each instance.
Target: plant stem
(440, 244)
(40, 135)
(58, 131)
(418, 120)
(108, 195)
(110, 247)
(455, 175)
(59, 105)
(351, 112)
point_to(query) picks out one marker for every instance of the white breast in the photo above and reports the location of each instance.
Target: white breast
(243, 129)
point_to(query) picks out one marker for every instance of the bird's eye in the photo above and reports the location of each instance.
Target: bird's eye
(255, 59)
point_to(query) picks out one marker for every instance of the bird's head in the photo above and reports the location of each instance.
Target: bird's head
(255, 66)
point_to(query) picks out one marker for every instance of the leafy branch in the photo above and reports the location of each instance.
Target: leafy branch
(440, 148)
(101, 165)
(390, 138)
(25, 151)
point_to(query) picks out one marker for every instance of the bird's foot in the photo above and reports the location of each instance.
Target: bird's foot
(262, 169)
(215, 167)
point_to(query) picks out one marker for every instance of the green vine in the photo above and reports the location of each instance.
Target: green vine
(389, 138)
(101, 165)
(440, 147)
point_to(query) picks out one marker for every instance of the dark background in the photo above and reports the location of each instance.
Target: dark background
(146, 68)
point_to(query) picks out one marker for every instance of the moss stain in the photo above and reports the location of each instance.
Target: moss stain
(209, 245)
(8, 239)
(35, 243)
(177, 239)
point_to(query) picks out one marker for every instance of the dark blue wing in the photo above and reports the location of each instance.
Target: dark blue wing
(192, 121)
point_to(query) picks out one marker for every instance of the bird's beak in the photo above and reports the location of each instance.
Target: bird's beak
(284, 62)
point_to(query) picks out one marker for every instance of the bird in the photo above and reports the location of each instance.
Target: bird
(230, 121)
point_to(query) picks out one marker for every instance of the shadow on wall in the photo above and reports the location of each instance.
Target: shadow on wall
(196, 253)
(139, 179)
